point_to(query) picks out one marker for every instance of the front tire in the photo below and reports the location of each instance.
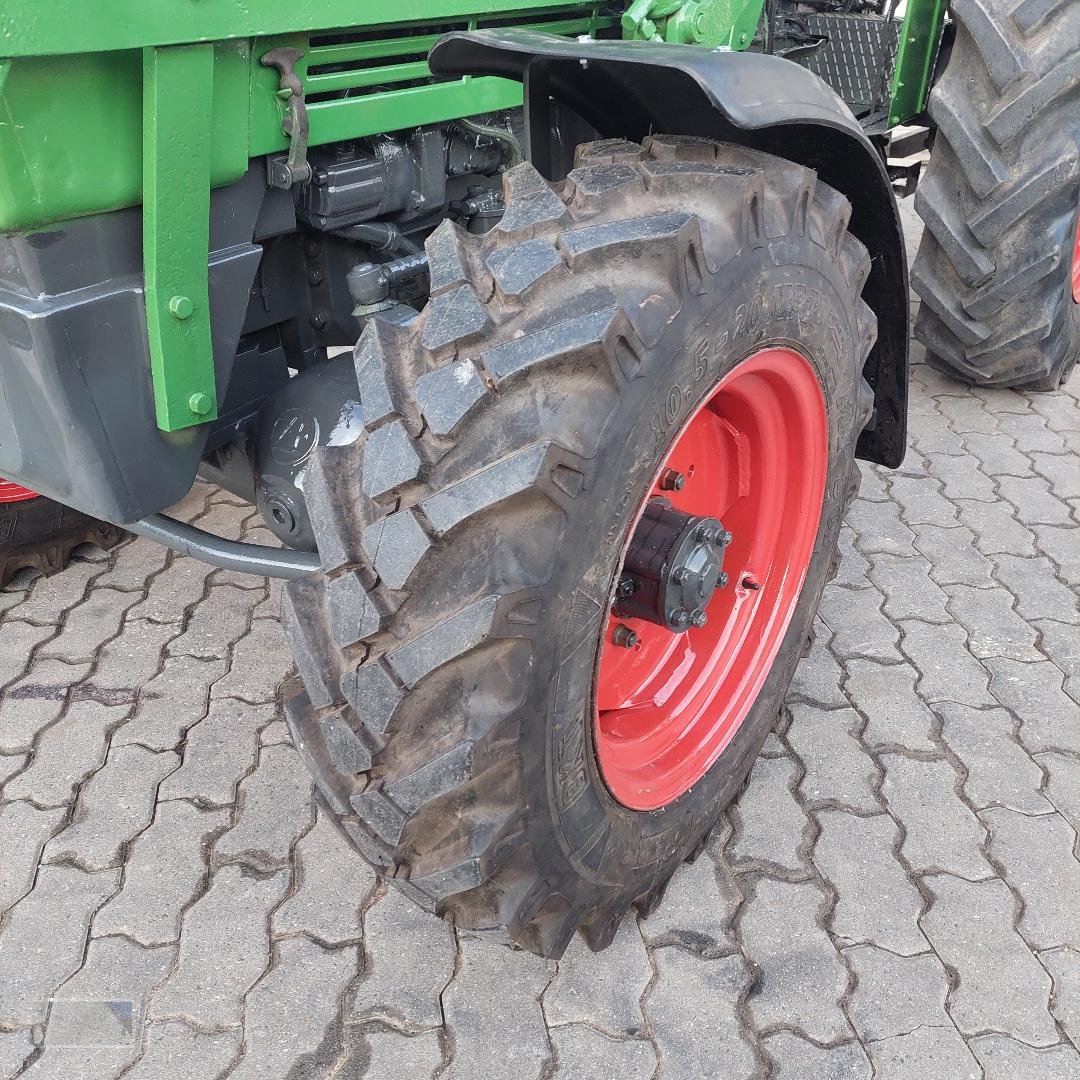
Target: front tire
(471, 540)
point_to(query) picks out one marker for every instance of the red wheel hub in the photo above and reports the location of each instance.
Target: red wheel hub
(10, 492)
(754, 456)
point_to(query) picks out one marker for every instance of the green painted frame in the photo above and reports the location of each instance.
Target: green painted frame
(920, 38)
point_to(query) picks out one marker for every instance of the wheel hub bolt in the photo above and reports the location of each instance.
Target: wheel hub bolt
(721, 579)
(699, 618)
(624, 637)
(679, 618)
(724, 538)
(672, 480)
(626, 586)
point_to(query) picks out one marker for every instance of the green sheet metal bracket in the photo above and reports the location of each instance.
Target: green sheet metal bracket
(709, 23)
(178, 84)
(920, 38)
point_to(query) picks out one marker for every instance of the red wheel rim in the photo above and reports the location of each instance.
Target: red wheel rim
(10, 492)
(1076, 266)
(755, 455)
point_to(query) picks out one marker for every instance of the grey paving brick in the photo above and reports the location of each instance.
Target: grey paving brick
(219, 752)
(34, 701)
(1038, 856)
(1059, 412)
(44, 938)
(885, 695)
(961, 478)
(930, 433)
(770, 827)
(947, 671)
(10, 764)
(920, 499)
(603, 989)
(904, 581)
(24, 829)
(174, 1051)
(87, 1036)
(1049, 718)
(876, 900)
(1034, 502)
(275, 734)
(837, 767)
(967, 413)
(51, 597)
(391, 1055)
(113, 807)
(87, 624)
(697, 910)
(796, 1059)
(481, 1049)
(1063, 784)
(20, 640)
(954, 558)
(996, 529)
(137, 561)
(818, 677)
(1062, 544)
(922, 1053)
(1039, 593)
(994, 628)
(854, 565)
(275, 809)
(224, 948)
(801, 977)
(216, 623)
(940, 831)
(998, 771)
(333, 885)
(1001, 986)
(1003, 1058)
(409, 961)
(1064, 968)
(585, 1054)
(292, 1009)
(127, 662)
(15, 1048)
(896, 994)
(164, 870)
(1031, 435)
(859, 626)
(171, 702)
(997, 455)
(66, 754)
(693, 1011)
(169, 595)
(878, 528)
(260, 661)
(1060, 471)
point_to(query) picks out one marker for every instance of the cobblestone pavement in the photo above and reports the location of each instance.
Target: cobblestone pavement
(896, 895)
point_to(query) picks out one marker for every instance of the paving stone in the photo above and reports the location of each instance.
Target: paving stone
(137, 561)
(1049, 718)
(930, 433)
(1063, 784)
(961, 478)
(10, 764)
(171, 702)
(90, 622)
(51, 597)
(954, 558)
(885, 695)
(1060, 471)
(878, 528)
(999, 770)
(43, 939)
(854, 565)
(695, 1021)
(947, 671)
(393, 1055)
(1001, 986)
(1064, 968)
(410, 960)
(996, 528)
(292, 1008)
(1039, 593)
(859, 627)
(20, 640)
(15, 1048)
(275, 734)
(838, 768)
(968, 413)
(920, 499)
(34, 701)
(171, 592)
(603, 989)
(941, 833)
(585, 1054)
(219, 752)
(997, 455)
(224, 948)
(922, 1053)
(216, 623)
(818, 677)
(113, 807)
(132, 658)
(801, 977)
(96, 1018)
(1038, 857)
(495, 992)
(1003, 1058)
(876, 900)
(165, 868)
(770, 826)
(904, 581)
(1062, 544)
(994, 628)
(275, 808)
(24, 829)
(1061, 643)
(175, 1051)
(796, 1059)
(1032, 436)
(1034, 501)
(260, 661)
(896, 994)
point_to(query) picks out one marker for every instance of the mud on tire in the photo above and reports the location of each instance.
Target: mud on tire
(470, 539)
(1001, 197)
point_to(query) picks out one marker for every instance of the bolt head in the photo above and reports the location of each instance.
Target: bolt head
(626, 586)
(724, 539)
(699, 618)
(681, 576)
(678, 618)
(200, 404)
(721, 579)
(624, 637)
(672, 480)
(180, 307)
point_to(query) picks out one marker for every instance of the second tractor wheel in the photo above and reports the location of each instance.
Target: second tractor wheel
(571, 566)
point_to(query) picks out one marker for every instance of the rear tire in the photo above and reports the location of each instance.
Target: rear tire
(40, 534)
(470, 540)
(1001, 198)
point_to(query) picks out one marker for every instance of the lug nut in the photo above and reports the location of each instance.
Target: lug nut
(699, 618)
(681, 576)
(626, 586)
(721, 579)
(672, 480)
(624, 637)
(724, 538)
(678, 618)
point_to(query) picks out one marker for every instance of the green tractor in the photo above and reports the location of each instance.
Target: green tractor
(545, 338)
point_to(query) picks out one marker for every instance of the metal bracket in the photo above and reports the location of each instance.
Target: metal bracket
(283, 172)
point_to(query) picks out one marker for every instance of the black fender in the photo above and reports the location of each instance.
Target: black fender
(629, 89)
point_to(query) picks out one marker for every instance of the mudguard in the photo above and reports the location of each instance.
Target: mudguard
(629, 89)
